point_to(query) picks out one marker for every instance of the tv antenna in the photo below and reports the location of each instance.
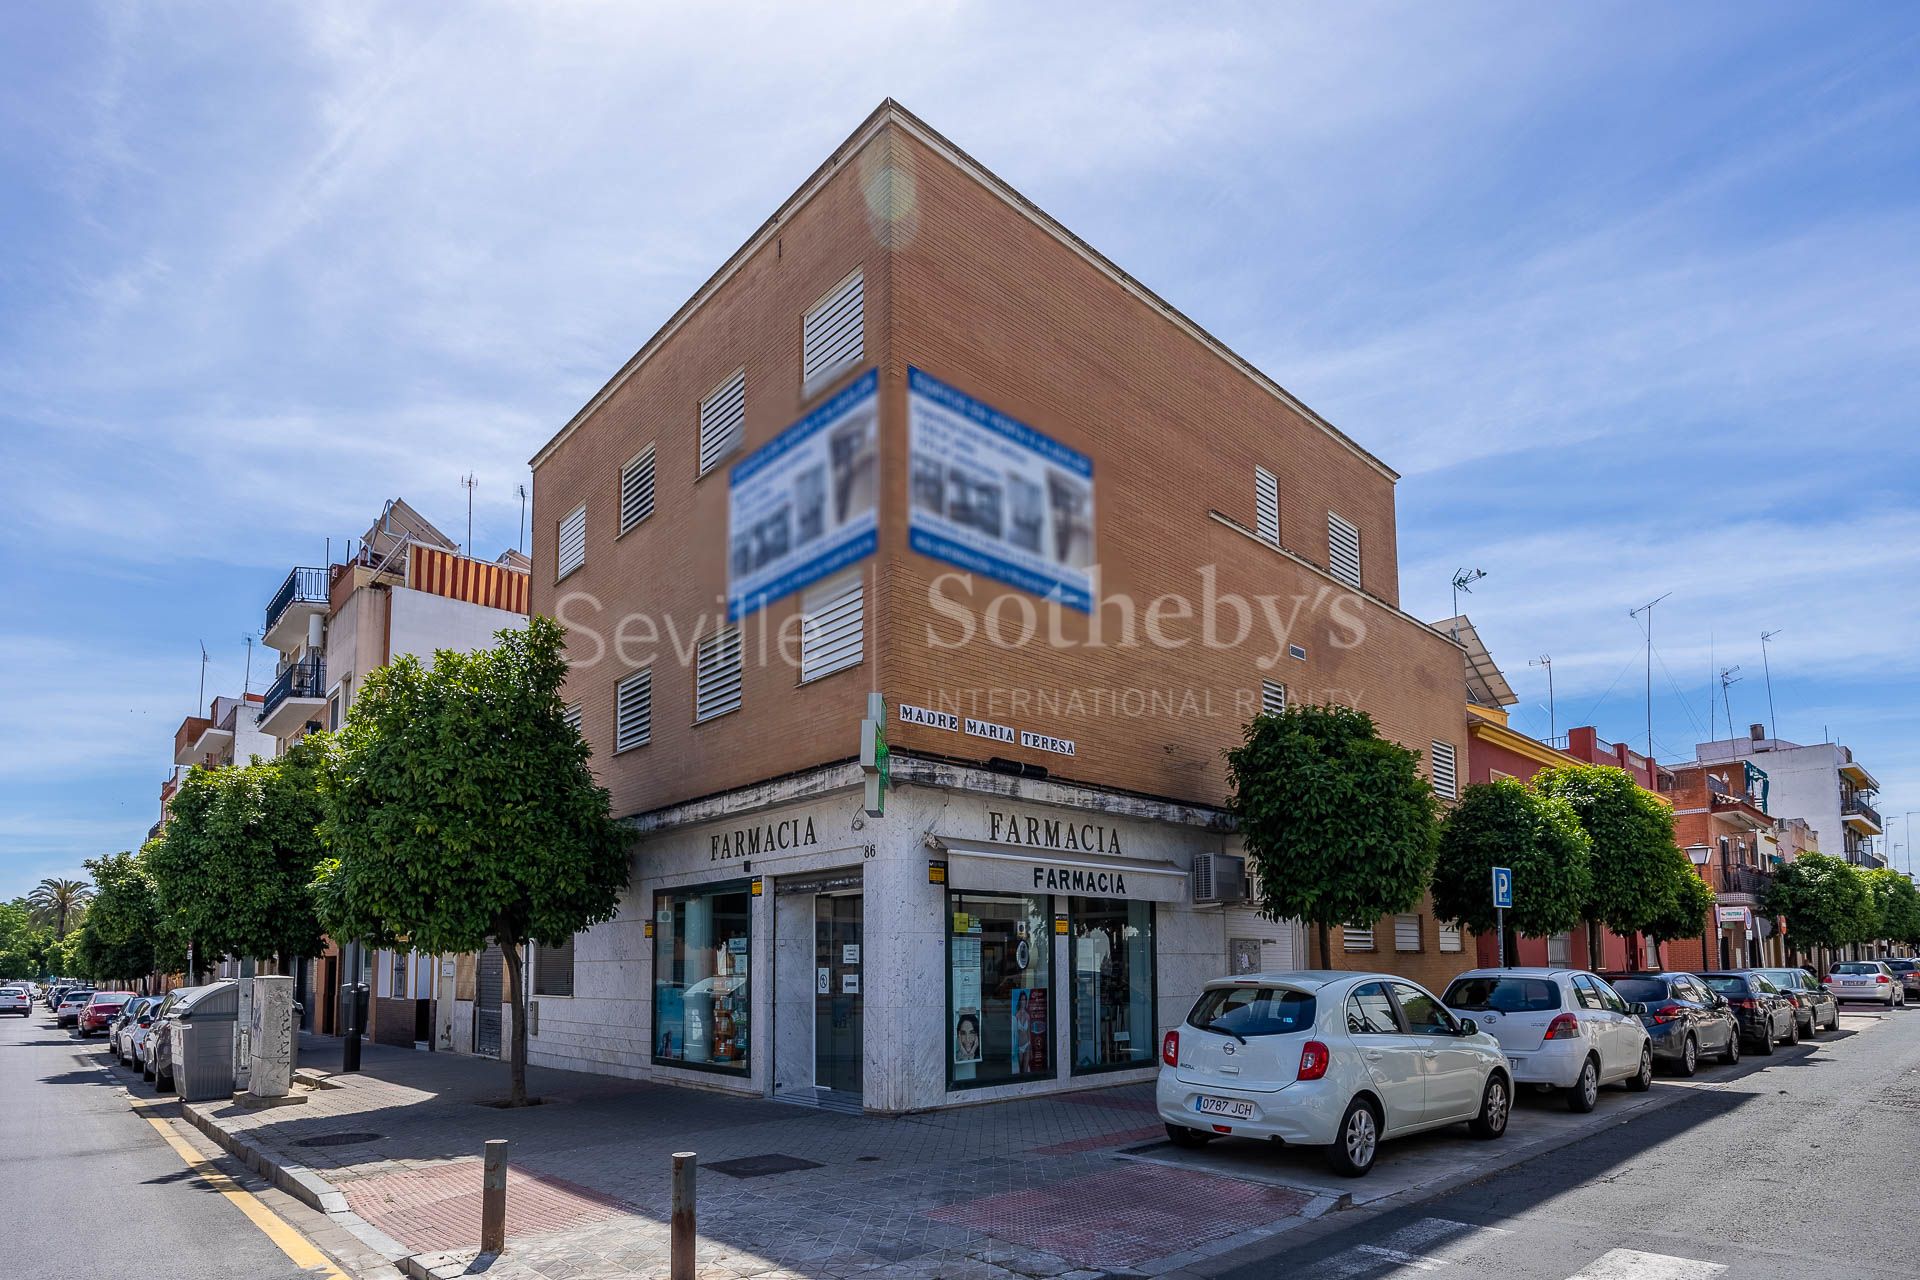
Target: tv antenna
(203, 677)
(1553, 728)
(1463, 580)
(1773, 723)
(521, 489)
(247, 687)
(1727, 680)
(1647, 609)
(468, 482)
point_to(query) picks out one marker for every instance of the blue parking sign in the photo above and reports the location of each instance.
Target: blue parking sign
(1503, 888)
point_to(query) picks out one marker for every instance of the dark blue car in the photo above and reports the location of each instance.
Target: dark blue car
(1684, 1019)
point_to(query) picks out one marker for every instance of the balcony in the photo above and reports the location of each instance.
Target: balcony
(301, 596)
(1750, 881)
(298, 695)
(186, 739)
(1865, 817)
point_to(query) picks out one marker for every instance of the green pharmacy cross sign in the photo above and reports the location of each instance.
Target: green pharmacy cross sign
(875, 759)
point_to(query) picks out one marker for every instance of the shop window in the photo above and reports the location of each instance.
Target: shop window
(553, 969)
(999, 988)
(1112, 960)
(701, 959)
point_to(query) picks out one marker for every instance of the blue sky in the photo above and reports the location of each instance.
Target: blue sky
(1628, 294)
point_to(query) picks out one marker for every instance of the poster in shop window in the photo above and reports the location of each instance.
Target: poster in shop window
(996, 497)
(1029, 1030)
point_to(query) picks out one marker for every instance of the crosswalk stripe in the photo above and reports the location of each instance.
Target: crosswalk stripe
(1631, 1264)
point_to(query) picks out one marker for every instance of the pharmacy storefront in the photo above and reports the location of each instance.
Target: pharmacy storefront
(969, 944)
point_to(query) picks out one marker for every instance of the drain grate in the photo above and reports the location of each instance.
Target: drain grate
(338, 1140)
(761, 1166)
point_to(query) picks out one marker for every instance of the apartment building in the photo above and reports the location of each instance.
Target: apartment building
(1721, 816)
(402, 588)
(228, 733)
(917, 572)
(1820, 782)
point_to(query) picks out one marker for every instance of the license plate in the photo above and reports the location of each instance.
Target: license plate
(1853, 982)
(1234, 1107)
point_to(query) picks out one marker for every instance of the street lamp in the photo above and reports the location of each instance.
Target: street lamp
(1699, 855)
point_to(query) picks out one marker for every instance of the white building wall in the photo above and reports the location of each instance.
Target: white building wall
(423, 622)
(1804, 782)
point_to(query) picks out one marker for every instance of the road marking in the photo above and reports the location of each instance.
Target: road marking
(1631, 1264)
(299, 1250)
(1402, 1246)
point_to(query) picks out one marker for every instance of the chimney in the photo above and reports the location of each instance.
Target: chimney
(1757, 732)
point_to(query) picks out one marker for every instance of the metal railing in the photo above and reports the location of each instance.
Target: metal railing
(1740, 879)
(1852, 803)
(306, 678)
(303, 586)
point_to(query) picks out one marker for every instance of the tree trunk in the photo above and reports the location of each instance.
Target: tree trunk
(1658, 963)
(1595, 955)
(510, 953)
(1326, 946)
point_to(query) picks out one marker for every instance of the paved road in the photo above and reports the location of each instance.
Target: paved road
(1795, 1167)
(91, 1189)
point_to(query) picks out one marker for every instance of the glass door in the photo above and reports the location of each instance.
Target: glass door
(837, 994)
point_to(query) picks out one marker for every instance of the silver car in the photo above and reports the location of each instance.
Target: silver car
(1866, 982)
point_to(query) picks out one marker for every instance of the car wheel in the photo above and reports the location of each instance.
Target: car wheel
(1181, 1136)
(1793, 1031)
(1496, 1106)
(1833, 1023)
(1689, 1057)
(1356, 1141)
(1584, 1094)
(1642, 1080)
(1764, 1045)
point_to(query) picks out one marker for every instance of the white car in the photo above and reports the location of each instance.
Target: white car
(15, 1000)
(1866, 980)
(1561, 1028)
(1327, 1059)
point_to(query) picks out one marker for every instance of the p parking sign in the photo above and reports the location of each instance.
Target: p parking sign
(1503, 888)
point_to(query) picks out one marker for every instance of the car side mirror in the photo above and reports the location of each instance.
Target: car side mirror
(1637, 1009)
(1719, 1002)
(1468, 1027)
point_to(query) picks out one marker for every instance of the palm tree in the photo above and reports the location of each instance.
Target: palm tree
(59, 903)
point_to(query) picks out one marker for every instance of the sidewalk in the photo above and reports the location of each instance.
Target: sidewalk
(1080, 1185)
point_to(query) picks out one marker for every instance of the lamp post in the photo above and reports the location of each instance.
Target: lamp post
(1698, 855)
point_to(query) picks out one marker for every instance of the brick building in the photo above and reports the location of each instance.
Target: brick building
(1720, 816)
(916, 439)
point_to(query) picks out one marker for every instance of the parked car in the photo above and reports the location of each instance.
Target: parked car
(1767, 1017)
(157, 1065)
(1908, 973)
(67, 1011)
(15, 1000)
(1559, 1029)
(1328, 1059)
(120, 1034)
(98, 1013)
(1867, 981)
(1684, 1019)
(1814, 1003)
(139, 1034)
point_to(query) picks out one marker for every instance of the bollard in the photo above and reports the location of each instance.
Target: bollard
(493, 1198)
(682, 1229)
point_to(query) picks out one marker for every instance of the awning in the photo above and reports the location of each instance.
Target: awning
(986, 865)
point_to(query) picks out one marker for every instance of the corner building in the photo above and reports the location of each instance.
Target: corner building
(916, 439)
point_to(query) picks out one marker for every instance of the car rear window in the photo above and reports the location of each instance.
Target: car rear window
(1503, 995)
(1728, 986)
(1254, 1011)
(1900, 966)
(1856, 966)
(1641, 989)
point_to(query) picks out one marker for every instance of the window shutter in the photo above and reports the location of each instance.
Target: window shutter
(718, 679)
(636, 490)
(723, 417)
(633, 711)
(1446, 781)
(1406, 933)
(571, 715)
(1357, 937)
(1273, 697)
(553, 969)
(832, 629)
(1450, 937)
(1343, 551)
(573, 542)
(1266, 506)
(832, 336)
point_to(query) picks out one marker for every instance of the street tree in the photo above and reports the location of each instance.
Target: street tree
(1897, 904)
(1826, 902)
(1338, 823)
(1632, 838)
(122, 938)
(59, 903)
(23, 943)
(460, 810)
(1505, 823)
(1684, 912)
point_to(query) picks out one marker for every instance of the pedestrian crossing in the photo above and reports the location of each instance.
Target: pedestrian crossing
(1445, 1248)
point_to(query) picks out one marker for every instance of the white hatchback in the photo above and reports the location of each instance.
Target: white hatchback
(1564, 1028)
(15, 1000)
(1866, 980)
(1328, 1059)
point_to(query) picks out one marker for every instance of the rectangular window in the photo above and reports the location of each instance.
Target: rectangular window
(832, 336)
(1450, 938)
(397, 987)
(723, 417)
(636, 490)
(1343, 550)
(1560, 950)
(1446, 780)
(717, 681)
(1266, 506)
(1406, 933)
(572, 550)
(999, 988)
(702, 955)
(571, 714)
(553, 970)
(633, 711)
(1273, 697)
(1113, 967)
(1357, 937)
(832, 628)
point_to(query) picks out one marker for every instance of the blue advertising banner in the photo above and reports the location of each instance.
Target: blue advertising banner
(995, 497)
(805, 504)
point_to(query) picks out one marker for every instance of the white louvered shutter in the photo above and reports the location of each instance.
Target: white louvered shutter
(717, 682)
(572, 716)
(1266, 506)
(1343, 550)
(636, 490)
(573, 542)
(633, 711)
(1446, 780)
(1450, 937)
(1357, 937)
(723, 417)
(833, 335)
(832, 629)
(1406, 933)
(1273, 697)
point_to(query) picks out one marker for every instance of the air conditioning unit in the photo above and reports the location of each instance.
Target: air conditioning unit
(1219, 878)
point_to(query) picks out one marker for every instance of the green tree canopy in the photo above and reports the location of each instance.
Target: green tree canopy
(460, 809)
(1826, 902)
(1632, 838)
(122, 939)
(1337, 821)
(1897, 904)
(1683, 914)
(1504, 823)
(23, 944)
